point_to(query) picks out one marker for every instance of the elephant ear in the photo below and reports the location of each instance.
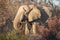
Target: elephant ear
(34, 14)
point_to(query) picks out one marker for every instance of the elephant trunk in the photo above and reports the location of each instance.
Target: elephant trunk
(15, 23)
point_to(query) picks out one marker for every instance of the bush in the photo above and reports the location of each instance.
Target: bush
(12, 36)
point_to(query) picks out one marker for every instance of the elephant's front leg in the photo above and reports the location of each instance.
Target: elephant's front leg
(26, 29)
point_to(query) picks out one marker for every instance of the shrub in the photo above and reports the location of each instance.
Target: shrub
(12, 36)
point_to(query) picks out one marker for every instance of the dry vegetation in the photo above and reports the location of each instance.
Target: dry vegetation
(7, 14)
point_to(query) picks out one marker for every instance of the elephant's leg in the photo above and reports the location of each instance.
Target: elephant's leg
(33, 29)
(26, 29)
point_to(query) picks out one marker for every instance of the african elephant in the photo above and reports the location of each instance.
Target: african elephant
(30, 13)
(23, 11)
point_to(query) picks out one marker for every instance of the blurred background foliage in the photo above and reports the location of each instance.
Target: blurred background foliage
(8, 10)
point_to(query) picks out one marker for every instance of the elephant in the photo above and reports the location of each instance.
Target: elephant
(22, 14)
(30, 13)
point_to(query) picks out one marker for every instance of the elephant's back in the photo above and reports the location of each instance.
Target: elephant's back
(47, 10)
